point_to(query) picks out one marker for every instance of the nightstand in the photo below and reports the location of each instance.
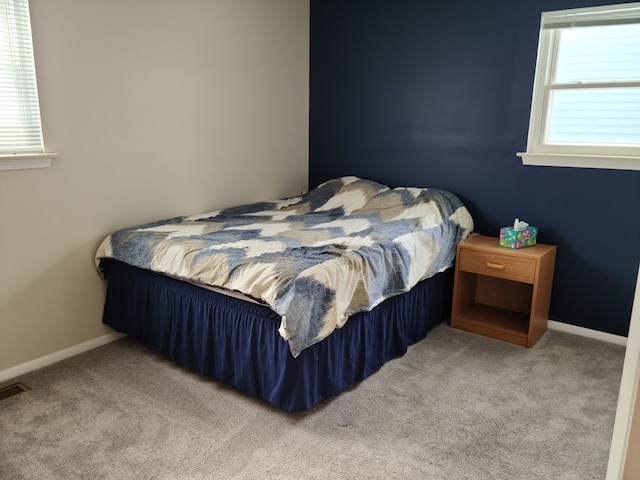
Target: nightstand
(503, 293)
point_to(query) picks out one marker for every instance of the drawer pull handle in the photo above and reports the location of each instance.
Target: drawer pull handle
(497, 266)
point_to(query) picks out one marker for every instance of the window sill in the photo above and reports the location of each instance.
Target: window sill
(26, 161)
(580, 161)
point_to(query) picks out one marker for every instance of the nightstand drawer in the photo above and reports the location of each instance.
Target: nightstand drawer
(510, 267)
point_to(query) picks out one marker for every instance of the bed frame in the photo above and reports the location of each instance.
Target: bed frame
(237, 342)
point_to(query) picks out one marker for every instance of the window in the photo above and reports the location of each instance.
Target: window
(21, 144)
(586, 98)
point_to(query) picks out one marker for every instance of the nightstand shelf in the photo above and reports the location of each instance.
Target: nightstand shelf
(502, 293)
(495, 322)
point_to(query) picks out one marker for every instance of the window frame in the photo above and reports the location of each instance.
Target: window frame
(540, 152)
(25, 158)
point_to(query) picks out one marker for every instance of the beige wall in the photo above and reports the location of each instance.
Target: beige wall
(625, 441)
(632, 464)
(156, 108)
(629, 389)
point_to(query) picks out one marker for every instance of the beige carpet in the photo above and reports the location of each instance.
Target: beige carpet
(456, 406)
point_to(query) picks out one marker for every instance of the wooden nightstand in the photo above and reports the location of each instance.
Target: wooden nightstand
(503, 293)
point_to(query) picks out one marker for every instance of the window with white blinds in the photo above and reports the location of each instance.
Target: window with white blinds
(20, 128)
(586, 98)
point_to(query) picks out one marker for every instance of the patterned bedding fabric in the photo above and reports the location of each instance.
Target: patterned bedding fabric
(316, 259)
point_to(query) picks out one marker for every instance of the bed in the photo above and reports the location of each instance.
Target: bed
(290, 300)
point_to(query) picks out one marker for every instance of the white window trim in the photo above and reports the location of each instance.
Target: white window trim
(540, 154)
(26, 161)
(580, 161)
(18, 60)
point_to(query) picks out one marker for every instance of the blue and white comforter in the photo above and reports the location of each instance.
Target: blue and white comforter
(316, 259)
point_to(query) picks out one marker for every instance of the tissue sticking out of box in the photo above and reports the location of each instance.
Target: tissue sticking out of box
(518, 225)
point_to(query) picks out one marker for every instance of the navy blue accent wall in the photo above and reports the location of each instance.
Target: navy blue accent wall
(437, 93)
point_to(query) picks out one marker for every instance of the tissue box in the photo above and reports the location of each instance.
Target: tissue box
(511, 238)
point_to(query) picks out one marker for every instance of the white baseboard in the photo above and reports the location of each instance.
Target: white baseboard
(112, 337)
(27, 367)
(587, 332)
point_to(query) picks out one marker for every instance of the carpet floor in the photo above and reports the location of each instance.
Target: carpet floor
(456, 406)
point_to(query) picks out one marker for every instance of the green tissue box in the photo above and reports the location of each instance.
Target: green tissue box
(511, 238)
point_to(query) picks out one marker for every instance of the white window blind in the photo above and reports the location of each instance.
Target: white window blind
(586, 98)
(20, 127)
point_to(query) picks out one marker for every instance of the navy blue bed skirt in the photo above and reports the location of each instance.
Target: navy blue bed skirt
(237, 342)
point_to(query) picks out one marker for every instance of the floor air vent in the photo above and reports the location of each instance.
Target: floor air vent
(12, 390)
